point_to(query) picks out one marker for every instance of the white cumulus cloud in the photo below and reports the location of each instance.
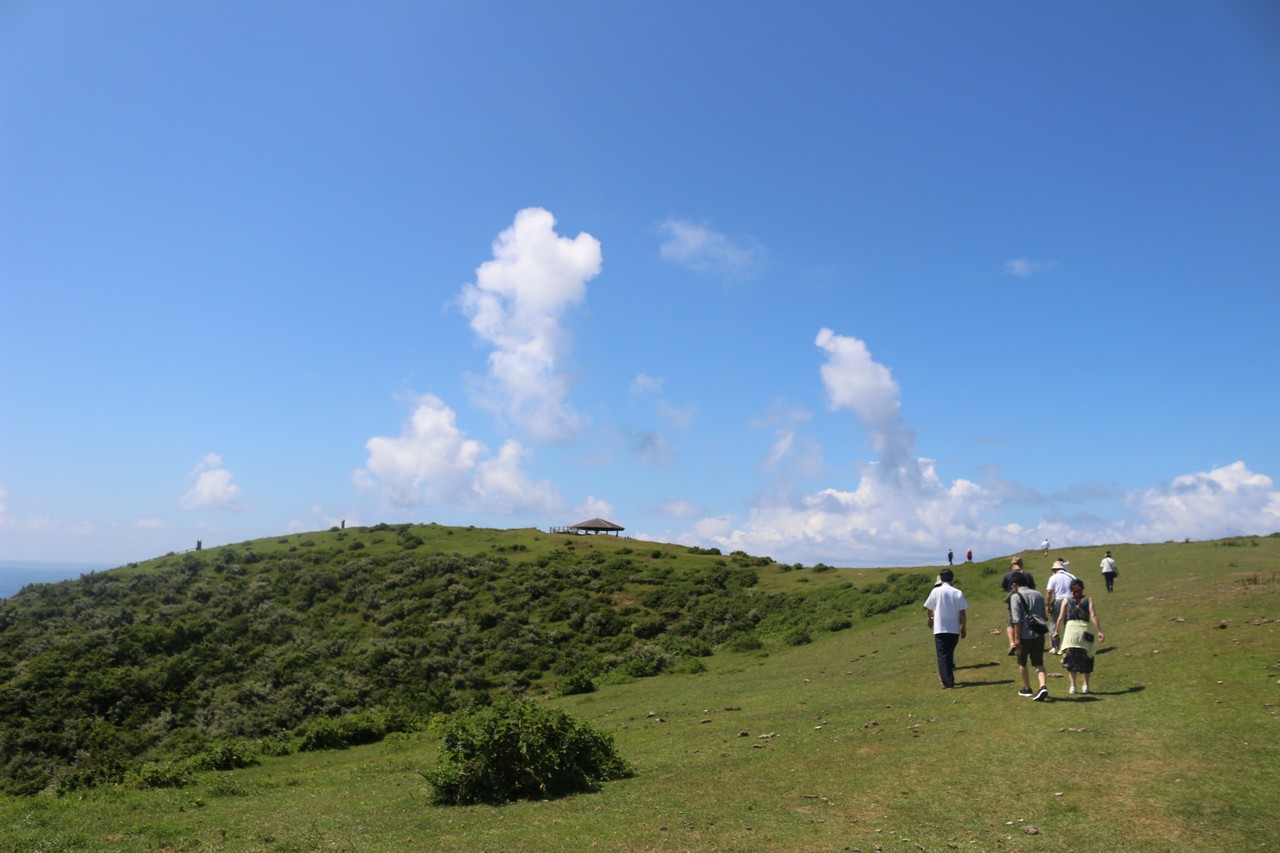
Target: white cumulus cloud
(857, 382)
(433, 463)
(1227, 501)
(516, 304)
(213, 488)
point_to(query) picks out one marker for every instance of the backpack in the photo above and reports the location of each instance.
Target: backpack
(1036, 623)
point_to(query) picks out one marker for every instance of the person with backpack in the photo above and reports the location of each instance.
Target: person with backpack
(1029, 620)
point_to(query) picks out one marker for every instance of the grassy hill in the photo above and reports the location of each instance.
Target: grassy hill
(775, 743)
(322, 640)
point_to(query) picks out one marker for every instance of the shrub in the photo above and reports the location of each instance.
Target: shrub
(746, 643)
(576, 683)
(516, 749)
(798, 637)
(324, 733)
(645, 660)
(159, 774)
(224, 755)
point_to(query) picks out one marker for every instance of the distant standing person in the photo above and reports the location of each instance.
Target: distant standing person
(950, 558)
(1077, 617)
(1109, 571)
(947, 617)
(1023, 602)
(1044, 546)
(968, 558)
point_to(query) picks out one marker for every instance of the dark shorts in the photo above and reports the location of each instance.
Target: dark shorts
(1033, 649)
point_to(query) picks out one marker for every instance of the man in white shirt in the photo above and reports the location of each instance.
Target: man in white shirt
(947, 617)
(1109, 571)
(1056, 591)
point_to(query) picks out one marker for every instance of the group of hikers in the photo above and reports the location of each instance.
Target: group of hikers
(1063, 615)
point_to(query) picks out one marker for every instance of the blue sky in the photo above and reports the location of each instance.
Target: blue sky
(842, 282)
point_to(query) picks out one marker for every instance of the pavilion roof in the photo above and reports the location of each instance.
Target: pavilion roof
(597, 524)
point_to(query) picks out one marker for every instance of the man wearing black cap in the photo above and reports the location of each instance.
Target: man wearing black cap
(1023, 601)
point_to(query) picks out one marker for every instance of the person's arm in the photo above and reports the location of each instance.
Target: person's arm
(963, 623)
(1015, 618)
(1093, 617)
(1062, 617)
(929, 619)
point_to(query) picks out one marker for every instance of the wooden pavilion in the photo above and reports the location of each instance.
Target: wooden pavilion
(592, 526)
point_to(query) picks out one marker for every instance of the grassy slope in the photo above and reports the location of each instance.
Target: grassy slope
(844, 744)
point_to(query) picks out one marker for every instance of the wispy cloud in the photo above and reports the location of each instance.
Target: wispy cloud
(645, 384)
(213, 487)
(516, 304)
(700, 248)
(593, 507)
(1025, 267)
(679, 508)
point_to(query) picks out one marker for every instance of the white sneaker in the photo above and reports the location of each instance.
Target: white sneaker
(1072, 690)
(1084, 689)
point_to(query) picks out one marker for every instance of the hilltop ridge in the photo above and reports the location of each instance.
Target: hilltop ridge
(327, 638)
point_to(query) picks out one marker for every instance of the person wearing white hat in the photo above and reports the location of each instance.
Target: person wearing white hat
(1056, 591)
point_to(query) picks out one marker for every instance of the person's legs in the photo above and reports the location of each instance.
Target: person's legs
(945, 645)
(1111, 579)
(1034, 650)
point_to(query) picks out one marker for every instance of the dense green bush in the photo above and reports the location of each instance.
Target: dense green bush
(797, 637)
(224, 755)
(516, 749)
(159, 774)
(576, 683)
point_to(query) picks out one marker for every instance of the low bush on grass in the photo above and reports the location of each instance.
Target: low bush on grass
(159, 774)
(516, 749)
(576, 683)
(224, 755)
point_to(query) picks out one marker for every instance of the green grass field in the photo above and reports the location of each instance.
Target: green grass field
(845, 744)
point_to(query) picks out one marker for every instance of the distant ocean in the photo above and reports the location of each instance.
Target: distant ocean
(15, 574)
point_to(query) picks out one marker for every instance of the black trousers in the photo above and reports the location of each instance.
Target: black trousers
(946, 647)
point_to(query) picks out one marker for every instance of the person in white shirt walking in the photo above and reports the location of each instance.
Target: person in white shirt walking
(1056, 591)
(1109, 571)
(947, 617)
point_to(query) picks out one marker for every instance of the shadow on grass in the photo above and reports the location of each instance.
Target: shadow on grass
(978, 665)
(1002, 681)
(1137, 688)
